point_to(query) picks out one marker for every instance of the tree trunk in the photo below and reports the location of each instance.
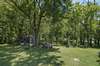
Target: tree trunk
(36, 29)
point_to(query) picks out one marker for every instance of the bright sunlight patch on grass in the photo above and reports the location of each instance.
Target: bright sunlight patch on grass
(59, 56)
(87, 57)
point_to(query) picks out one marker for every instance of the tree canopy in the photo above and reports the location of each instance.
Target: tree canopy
(55, 21)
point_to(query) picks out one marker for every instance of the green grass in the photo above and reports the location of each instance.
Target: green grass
(59, 56)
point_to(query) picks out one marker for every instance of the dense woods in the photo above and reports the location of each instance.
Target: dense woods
(54, 21)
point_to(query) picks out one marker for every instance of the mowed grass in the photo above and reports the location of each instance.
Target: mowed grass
(58, 56)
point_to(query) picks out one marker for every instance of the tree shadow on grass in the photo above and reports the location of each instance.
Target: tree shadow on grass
(98, 61)
(18, 56)
(7, 53)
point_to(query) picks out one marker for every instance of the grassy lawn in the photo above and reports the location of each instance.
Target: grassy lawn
(59, 56)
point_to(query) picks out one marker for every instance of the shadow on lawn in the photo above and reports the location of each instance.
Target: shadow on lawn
(18, 56)
(98, 61)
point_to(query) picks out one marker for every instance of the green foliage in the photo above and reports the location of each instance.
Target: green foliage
(50, 20)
